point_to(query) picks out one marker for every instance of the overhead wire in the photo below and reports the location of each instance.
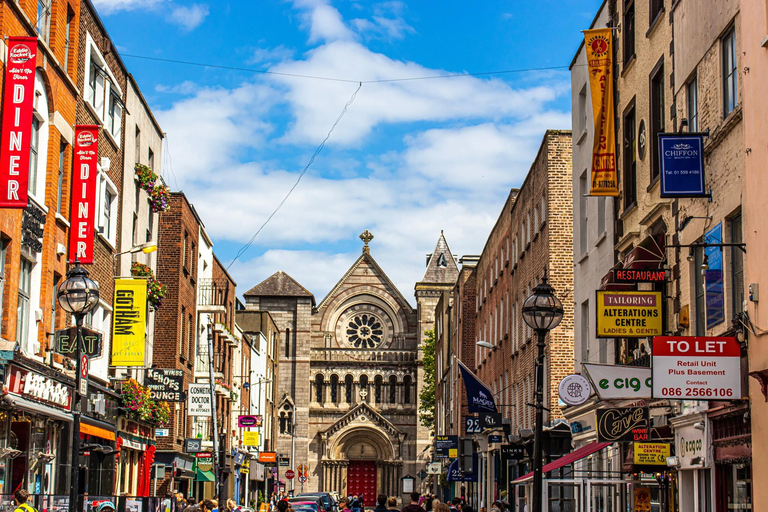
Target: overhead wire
(301, 175)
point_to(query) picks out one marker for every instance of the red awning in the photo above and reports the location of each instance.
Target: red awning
(647, 254)
(572, 457)
(608, 282)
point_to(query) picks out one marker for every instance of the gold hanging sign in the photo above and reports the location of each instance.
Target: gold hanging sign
(604, 177)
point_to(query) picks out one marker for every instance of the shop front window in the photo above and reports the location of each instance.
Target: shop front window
(738, 485)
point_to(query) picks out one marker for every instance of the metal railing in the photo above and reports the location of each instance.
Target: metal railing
(212, 292)
(363, 356)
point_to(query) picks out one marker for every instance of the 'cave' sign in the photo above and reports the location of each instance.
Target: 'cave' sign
(165, 385)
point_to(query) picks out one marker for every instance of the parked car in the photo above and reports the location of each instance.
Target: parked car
(301, 505)
(328, 501)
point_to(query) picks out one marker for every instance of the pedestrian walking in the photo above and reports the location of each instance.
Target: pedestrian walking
(381, 503)
(414, 505)
(20, 498)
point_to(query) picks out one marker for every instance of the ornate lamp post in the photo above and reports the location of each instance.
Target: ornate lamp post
(542, 312)
(78, 295)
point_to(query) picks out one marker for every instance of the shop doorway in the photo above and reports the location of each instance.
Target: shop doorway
(361, 480)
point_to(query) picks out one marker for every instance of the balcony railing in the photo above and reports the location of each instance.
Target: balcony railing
(212, 294)
(362, 356)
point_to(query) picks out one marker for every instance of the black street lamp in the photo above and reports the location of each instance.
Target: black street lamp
(78, 295)
(542, 312)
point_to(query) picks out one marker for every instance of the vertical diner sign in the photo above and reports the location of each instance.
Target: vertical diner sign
(18, 103)
(599, 47)
(83, 210)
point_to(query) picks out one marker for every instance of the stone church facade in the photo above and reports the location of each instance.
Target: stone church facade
(350, 376)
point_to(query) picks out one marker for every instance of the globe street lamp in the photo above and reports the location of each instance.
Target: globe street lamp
(542, 311)
(77, 295)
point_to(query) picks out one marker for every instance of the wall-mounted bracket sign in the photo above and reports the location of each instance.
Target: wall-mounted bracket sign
(681, 158)
(626, 424)
(696, 368)
(630, 275)
(446, 447)
(574, 390)
(633, 314)
(91, 342)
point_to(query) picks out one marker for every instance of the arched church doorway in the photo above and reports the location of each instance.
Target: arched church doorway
(365, 450)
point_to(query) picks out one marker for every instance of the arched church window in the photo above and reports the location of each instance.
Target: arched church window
(378, 383)
(407, 389)
(348, 389)
(282, 421)
(319, 385)
(334, 389)
(363, 382)
(392, 389)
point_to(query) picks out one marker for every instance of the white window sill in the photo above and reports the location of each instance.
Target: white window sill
(62, 219)
(111, 138)
(109, 242)
(93, 111)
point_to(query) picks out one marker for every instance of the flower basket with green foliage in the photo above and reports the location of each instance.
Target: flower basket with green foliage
(146, 177)
(138, 404)
(155, 289)
(159, 194)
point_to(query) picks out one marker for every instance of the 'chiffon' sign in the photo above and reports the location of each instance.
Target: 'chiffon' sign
(83, 211)
(17, 121)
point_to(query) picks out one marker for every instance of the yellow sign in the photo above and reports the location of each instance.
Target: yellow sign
(599, 47)
(250, 438)
(129, 322)
(652, 453)
(628, 314)
(642, 499)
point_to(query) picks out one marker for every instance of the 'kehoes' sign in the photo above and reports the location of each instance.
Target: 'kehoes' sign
(18, 101)
(165, 385)
(83, 210)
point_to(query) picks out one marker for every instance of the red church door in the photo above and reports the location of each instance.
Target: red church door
(361, 480)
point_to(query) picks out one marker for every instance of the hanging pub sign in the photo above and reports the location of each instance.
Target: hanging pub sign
(625, 424)
(65, 342)
(18, 102)
(129, 322)
(83, 209)
(682, 165)
(604, 175)
(446, 447)
(696, 368)
(165, 385)
(632, 314)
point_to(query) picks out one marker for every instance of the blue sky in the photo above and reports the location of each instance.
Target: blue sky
(408, 159)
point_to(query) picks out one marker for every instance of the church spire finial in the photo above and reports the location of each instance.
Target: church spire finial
(366, 236)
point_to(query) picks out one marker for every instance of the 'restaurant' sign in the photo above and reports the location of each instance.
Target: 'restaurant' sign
(632, 314)
(630, 275)
(83, 209)
(626, 424)
(29, 384)
(18, 102)
(696, 368)
(165, 385)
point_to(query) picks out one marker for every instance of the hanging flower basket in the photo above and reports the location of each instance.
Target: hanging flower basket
(138, 404)
(159, 194)
(155, 289)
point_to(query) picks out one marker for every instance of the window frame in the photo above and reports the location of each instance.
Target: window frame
(729, 73)
(630, 157)
(657, 117)
(62, 167)
(692, 103)
(44, 19)
(736, 263)
(628, 31)
(105, 186)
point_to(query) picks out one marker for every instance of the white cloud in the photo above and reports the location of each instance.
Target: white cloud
(109, 6)
(189, 17)
(385, 23)
(323, 21)
(276, 54)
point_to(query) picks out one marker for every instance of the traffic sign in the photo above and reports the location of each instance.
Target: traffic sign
(302, 470)
(289, 474)
(83, 380)
(302, 478)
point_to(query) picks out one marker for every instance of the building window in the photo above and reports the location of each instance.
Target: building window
(657, 6)
(628, 30)
(348, 385)
(730, 74)
(737, 266)
(692, 93)
(150, 158)
(657, 116)
(70, 19)
(44, 20)
(137, 145)
(584, 331)
(392, 389)
(96, 87)
(319, 385)
(287, 343)
(334, 389)
(108, 209)
(583, 224)
(698, 282)
(22, 310)
(114, 114)
(378, 384)
(407, 389)
(56, 281)
(630, 159)
(600, 216)
(582, 112)
(62, 166)
(150, 224)
(34, 143)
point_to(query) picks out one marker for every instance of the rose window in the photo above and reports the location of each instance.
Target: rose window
(364, 331)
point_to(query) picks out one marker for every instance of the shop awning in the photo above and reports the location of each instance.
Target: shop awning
(23, 404)
(93, 427)
(647, 254)
(204, 476)
(572, 457)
